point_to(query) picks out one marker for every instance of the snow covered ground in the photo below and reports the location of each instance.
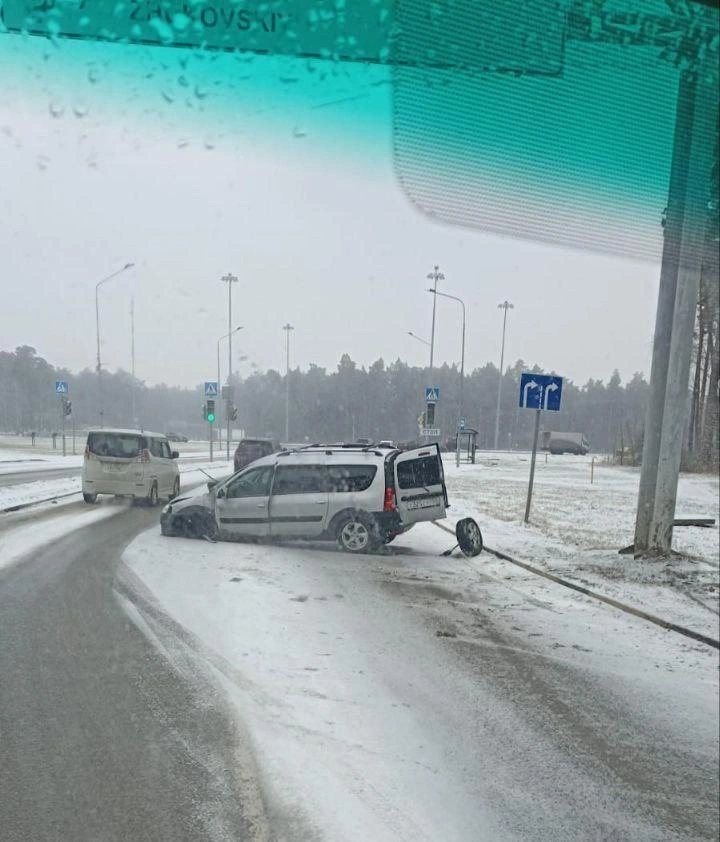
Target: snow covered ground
(407, 696)
(576, 529)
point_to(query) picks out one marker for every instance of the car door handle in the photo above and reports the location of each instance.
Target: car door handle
(262, 505)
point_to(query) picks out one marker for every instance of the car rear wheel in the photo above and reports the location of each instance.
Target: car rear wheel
(357, 533)
(90, 498)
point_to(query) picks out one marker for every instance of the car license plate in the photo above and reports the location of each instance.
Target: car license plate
(422, 504)
(113, 467)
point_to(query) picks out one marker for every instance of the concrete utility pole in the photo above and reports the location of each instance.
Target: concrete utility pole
(435, 276)
(685, 226)
(229, 279)
(287, 328)
(133, 423)
(506, 305)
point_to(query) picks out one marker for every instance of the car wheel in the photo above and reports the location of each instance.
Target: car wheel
(90, 498)
(152, 498)
(176, 489)
(197, 525)
(469, 537)
(357, 533)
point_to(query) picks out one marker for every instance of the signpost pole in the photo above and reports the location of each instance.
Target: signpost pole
(210, 436)
(62, 413)
(532, 465)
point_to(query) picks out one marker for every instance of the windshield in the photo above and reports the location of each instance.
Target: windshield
(359, 420)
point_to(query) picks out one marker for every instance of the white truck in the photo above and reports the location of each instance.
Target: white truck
(558, 443)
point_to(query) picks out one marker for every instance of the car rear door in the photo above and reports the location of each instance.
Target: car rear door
(420, 484)
(113, 462)
(299, 501)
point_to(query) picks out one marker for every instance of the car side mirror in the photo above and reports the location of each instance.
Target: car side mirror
(174, 455)
(221, 492)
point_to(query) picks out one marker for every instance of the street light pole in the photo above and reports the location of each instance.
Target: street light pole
(97, 335)
(224, 336)
(229, 279)
(132, 360)
(462, 368)
(287, 328)
(436, 275)
(506, 305)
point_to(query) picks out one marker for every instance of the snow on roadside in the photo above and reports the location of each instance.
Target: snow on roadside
(576, 529)
(21, 540)
(29, 492)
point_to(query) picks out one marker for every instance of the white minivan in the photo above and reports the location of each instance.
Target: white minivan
(129, 463)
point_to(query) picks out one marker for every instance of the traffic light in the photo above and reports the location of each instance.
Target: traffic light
(67, 407)
(430, 415)
(204, 411)
(210, 411)
(233, 413)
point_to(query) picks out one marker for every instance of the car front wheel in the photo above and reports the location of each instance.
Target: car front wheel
(90, 498)
(152, 498)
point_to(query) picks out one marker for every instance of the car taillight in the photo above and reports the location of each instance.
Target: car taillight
(389, 501)
(143, 456)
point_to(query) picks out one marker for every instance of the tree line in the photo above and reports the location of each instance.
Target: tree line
(351, 401)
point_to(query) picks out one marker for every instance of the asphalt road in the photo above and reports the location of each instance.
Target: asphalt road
(103, 740)
(100, 739)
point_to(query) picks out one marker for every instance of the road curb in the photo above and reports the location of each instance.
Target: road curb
(628, 609)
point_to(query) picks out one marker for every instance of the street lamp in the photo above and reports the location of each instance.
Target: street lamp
(97, 333)
(229, 279)
(506, 305)
(287, 328)
(436, 275)
(224, 336)
(419, 338)
(462, 366)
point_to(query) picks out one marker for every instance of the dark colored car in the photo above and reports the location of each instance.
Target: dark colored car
(248, 450)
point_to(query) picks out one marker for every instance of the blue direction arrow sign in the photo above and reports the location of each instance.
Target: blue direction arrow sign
(540, 391)
(211, 388)
(432, 394)
(61, 387)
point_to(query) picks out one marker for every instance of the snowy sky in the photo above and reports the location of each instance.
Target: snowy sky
(283, 174)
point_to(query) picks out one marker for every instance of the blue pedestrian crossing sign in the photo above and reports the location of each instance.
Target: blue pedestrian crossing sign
(432, 394)
(61, 387)
(211, 388)
(540, 391)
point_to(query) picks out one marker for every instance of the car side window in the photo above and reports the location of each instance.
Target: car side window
(156, 447)
(300, 479)
(166, 452)
(255, 483)
(347, 478)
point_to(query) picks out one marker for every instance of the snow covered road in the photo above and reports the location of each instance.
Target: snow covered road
(410, 697)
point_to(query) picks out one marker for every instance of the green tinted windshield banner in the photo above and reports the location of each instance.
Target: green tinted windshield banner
(479, 34)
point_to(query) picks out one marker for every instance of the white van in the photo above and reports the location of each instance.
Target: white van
(129, 463)
(360, 496)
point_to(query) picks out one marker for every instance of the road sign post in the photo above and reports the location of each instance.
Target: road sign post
(211, 392)
(532, 465)
(61, 390)
(538, 392)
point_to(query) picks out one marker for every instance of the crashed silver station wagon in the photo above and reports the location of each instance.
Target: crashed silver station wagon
(361, 496)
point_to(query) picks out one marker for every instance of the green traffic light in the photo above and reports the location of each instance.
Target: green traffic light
(211, 417)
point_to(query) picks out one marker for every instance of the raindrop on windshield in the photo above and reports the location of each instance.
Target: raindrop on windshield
(57, 109)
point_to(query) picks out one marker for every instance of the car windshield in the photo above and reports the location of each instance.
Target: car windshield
(359, 420)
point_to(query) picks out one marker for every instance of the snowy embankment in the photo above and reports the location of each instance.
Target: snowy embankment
(576, 529)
